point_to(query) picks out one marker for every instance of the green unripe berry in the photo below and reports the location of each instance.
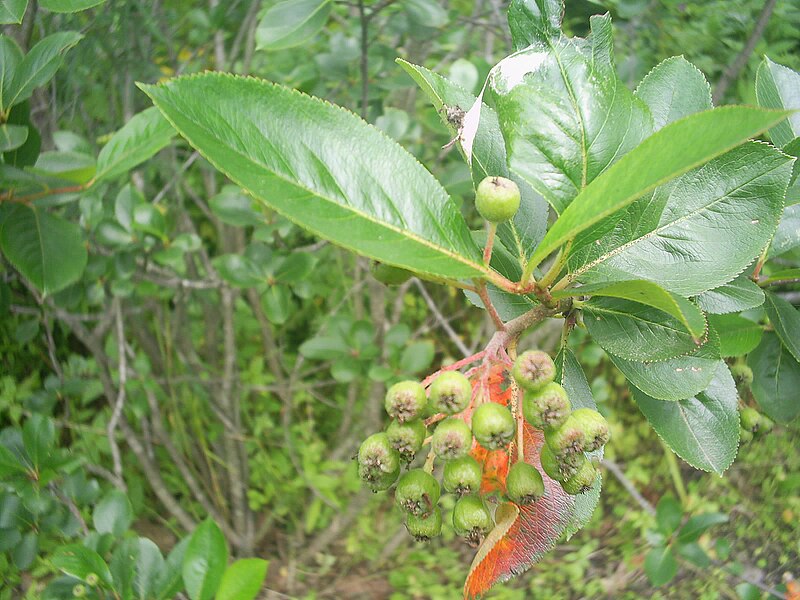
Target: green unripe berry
(497, 199)
(92, 579)
(462, 476)
(750, 419)
(79, 591)
(406, 401)
(452, 439)
(742, 374)
(546, 407)
(390, 275)
(745, 435)
(425, 529)
(765, 425)
(471, 518)
(594, 426)
(450, 392)
(407, 438)
(378, 462)
(493, 425)
(565, 440)
(524, 484)
(560, 469)
(417, 493)
(582, 480)
(533, 370)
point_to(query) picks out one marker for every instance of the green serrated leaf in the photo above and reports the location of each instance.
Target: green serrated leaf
(47, 250)
(79, 561)
(675, 378)
(321, 166)
(738, 295)
(785, 318)
(674, 89)
(737, 335)
(779, 87)
(531, 21)
(650, 294)
(776, 379)
(635, 331)
(680, 236)
(113, 514)
(140, 138)
(698, 525)
(667, 154)
(703, 430)
(787, 237)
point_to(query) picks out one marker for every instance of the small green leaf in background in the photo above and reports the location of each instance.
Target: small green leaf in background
(536, 21)
(170, 580)
(669, 515)
(205, 561)
(787, 237)
(417, 357)
(779, 87)
(674, 89)
(68, 6)
(79, 561)
(291, 22)
(47, 250)
(12, 137)
(38, 437)
(38, 66)
(703, 430)
(667, 154)
(785, 318)
(243, 579)
(425, 13)
(149, 565)
(12, 11)
(140, 138)
(233, 207)
(24, 553)
(113, 514)
(698, 525)
(776, 379)
(660, 565)
(238, 270)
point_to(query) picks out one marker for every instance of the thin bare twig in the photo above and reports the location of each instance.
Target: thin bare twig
(443, 323)
(120, 402)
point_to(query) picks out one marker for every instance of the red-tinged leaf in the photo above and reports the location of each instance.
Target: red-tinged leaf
(523, 534)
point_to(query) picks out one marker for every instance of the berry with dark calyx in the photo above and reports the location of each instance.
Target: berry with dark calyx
(450, 392)
(582, 480)
(547, 407)
(424, 529)
(79, 591)
(407, 438)
(524, 484)
(406, 401)
(750, 419)
(594, 426)
(471, 519)
(493, 425)
(745, 435)
(417, 493)
(92, 579)
(533, 370)
(765, 425)
(390, 275)
(452, 439)
(742, 374)
(497, 199)
(566, 440)
(560, 469)
(462, 476)
(378, 462)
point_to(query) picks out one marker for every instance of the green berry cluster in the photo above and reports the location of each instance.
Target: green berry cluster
(569, 434)
(417, 491)
(753, 424)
